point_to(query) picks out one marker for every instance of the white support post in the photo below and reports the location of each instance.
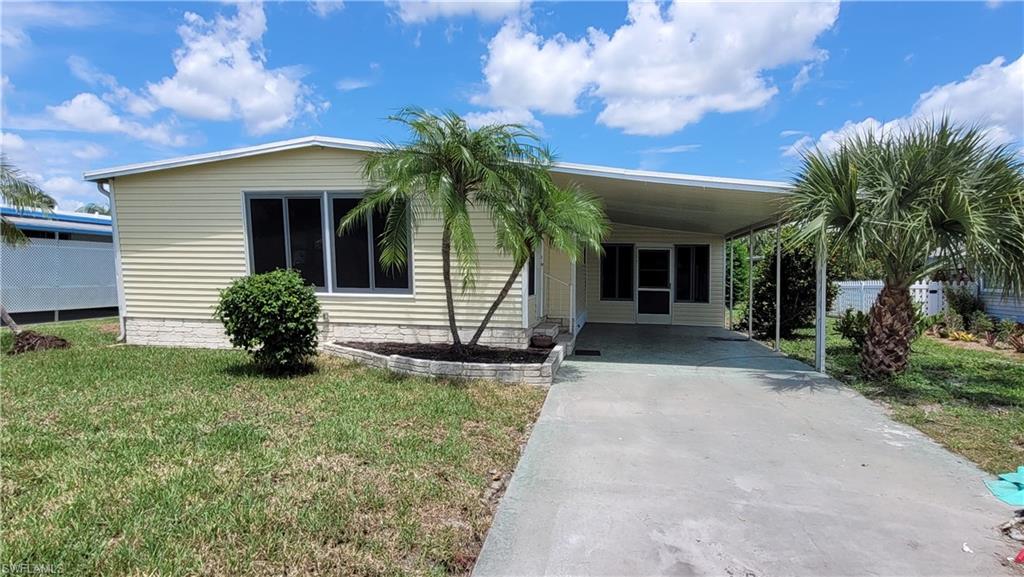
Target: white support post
(778, 284)
(732, 281)
(819, 325)
(750, 284)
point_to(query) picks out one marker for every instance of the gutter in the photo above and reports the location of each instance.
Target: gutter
(117, 256)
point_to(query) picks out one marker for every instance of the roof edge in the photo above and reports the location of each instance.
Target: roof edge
(691, 180)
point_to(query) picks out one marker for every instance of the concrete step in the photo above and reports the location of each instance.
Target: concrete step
(547, 328)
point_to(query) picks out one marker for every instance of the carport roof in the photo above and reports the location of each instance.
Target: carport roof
(667, 200)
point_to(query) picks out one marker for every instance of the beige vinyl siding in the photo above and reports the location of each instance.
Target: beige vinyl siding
(581, 284)
(711, 313)
(557, 277)
(182, 239)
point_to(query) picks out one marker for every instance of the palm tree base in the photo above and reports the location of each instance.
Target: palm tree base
(886, 350)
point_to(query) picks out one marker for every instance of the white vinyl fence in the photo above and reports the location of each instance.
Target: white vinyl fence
(859, 295)
(48, 274)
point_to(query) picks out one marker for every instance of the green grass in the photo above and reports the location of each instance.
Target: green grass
(123, 460)
(971, 401)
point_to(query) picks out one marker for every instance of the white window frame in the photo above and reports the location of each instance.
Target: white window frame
(329, 241)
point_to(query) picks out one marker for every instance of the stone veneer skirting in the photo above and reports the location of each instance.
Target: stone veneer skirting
(210, 334)
(519, 373)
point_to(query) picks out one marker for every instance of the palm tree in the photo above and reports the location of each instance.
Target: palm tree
(94, 208)
(446, 168)
(567, 218)
(19, 192)
(933, 197)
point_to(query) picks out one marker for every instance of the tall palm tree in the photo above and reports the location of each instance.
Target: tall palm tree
(933, 197)
(567, 218)
(446, 168)
(19, 192)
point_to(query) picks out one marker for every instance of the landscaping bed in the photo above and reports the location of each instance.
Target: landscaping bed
(445, 352)
(129, 460)
(539, 370)
(971, 401)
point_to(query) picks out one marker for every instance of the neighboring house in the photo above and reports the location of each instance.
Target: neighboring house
(65, 271)
(186, 227)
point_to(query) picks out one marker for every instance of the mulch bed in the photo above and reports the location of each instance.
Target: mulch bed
(445, 352)
(27, 341)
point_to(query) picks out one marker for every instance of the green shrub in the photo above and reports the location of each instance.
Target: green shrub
(798, 292)
(273, 316)
(963, 300)
(853, 326)
(923, 323)
(949, 322)
(1005, 329)
(980, 323)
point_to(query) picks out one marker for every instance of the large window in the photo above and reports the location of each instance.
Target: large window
(617, 272)
(288, 231)
(693, 273)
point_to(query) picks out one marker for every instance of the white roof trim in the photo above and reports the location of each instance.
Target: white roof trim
(690, 180)
(282, 145)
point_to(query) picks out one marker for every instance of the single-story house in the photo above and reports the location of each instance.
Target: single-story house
(65, 271)
(186, 227)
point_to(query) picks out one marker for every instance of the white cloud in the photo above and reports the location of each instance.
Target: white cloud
(792, 133)
(503, 116)
(525, 71)
(797, 147)
(990, 97)
(350, 84)
(86, 112)
(676, 149)
(324, 8)
(421, 11)
(661, 70)
(20, 17)
(127, 99)
(55, 165)
(221, 74)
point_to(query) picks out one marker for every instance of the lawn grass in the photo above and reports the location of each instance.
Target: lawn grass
(123, 460)
(971, 401)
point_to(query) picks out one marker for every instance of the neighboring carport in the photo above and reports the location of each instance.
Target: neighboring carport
(684, 451)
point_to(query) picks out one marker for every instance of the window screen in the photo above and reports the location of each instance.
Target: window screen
(267, 232)
(531, 275)
(351, 249)
(693, 273)
(617, 272)
(386, 278)
(305, 231)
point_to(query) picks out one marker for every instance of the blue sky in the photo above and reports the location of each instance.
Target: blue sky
(720, 89)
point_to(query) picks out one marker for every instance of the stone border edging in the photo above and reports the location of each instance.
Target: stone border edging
(540, 374)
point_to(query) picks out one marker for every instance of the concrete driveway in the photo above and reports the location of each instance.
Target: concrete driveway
(675, 453)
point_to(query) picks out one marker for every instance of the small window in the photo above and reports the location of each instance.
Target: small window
(693, 273)
(617, 272)
(86, 237)
(306, 244)
(30, 233)
(531, 275)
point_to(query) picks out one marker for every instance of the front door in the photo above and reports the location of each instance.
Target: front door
(654, 285)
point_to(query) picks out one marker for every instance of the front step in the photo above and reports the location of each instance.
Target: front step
(547, 329)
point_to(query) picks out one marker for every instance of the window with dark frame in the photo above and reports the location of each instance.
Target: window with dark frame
(617, 272)
(531, 276)
(287, 231)
(693, 273)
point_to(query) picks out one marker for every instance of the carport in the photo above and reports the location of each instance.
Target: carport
(656, 215)
(689, 451)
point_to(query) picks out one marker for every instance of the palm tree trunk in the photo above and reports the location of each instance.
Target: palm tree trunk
(5, 317)
(497, 303)
(886, 350)
(446, 271)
